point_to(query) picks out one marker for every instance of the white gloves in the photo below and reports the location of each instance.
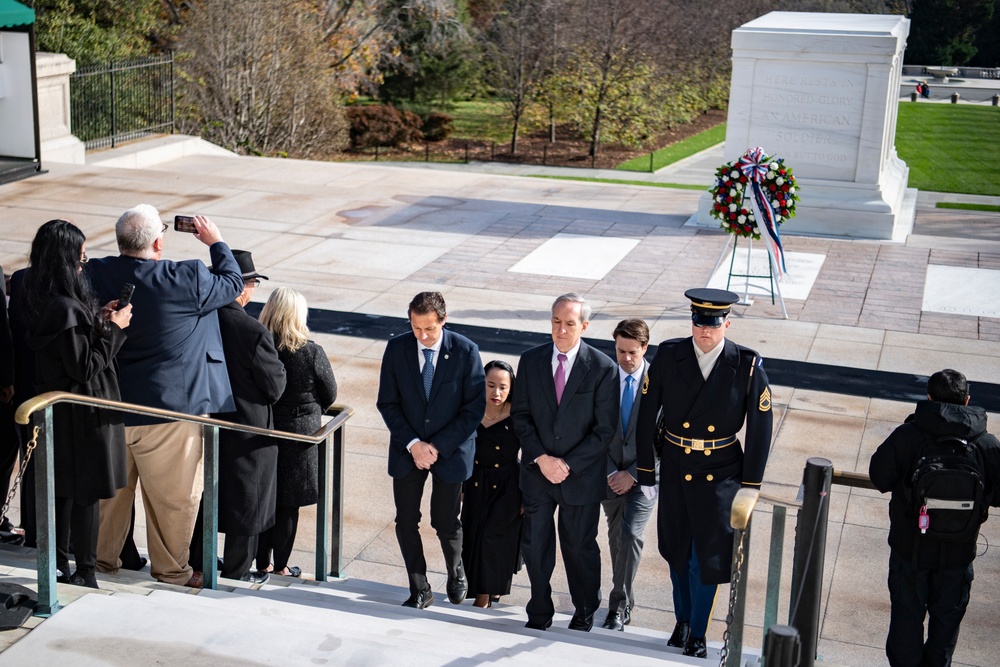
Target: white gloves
(649, 492)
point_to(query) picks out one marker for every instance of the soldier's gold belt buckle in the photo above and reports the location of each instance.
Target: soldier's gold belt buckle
(698, 445)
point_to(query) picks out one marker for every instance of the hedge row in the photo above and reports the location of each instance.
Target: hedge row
(385, 125)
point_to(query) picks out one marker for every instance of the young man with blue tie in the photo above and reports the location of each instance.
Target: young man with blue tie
(626, 508)
(432, 395)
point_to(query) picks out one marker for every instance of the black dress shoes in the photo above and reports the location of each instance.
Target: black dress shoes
(539, 626)
(581, 623)
(614, 621)
(695, 647)
(420, 600)
(458, 586)
(627, 618)
(679, 637)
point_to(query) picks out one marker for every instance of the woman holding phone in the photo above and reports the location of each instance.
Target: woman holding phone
(75, 342)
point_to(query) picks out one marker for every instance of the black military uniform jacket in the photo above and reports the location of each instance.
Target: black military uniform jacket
(702, 464)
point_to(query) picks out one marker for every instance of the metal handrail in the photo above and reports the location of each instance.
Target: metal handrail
(741, 518)
(330, 438)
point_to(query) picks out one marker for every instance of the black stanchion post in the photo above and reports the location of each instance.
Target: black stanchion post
(376, 152)
(810, 552)
(781, 647)
(427, 152)
(651, 153)
(493, 151)
(466, 152)
(545, 153)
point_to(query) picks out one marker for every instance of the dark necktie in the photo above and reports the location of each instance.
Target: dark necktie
(560, 376)
(428, 373)
(627, 400)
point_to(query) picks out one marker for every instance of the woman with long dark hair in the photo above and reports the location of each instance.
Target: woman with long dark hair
(491, 505)
(75, 342)
(310, 389)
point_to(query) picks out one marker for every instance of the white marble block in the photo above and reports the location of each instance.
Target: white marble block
(821, 91)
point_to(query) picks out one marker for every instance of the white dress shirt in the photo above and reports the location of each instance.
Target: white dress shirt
(706, 360)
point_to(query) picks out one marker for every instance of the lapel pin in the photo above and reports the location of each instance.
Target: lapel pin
(446, 356)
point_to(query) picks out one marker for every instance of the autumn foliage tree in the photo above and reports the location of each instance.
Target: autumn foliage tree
(258, 78)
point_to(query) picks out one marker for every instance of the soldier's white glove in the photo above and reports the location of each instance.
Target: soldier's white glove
(649, 492)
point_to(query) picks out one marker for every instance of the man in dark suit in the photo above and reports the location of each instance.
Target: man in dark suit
(565, 408)
(626, 508)
(172, 359)
(704, 387)
(248, 463)
(432, 395)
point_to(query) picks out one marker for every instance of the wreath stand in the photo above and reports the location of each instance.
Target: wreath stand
(774, 285)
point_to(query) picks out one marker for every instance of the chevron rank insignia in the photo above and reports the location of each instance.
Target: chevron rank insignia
(765, 400)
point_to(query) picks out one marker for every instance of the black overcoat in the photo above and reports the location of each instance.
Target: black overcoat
(75, 352)
(697, 487)
(248, 463)
(310, 389)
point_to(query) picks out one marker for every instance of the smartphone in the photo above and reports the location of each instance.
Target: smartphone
(126, 296)
(184, 223)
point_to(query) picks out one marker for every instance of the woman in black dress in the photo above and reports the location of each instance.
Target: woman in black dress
(310, 389)
(75, 342)
(491, 507)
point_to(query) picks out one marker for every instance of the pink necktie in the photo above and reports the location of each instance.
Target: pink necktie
(560, 377)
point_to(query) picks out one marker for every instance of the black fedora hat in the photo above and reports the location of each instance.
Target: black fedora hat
(245, 260)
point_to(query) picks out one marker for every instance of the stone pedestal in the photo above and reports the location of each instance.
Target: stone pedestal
(821, 91)
(58, 143)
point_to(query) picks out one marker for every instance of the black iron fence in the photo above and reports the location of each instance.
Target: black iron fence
(115, 102)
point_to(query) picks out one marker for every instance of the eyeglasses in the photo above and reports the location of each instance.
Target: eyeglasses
(254, 282)
(83, 259)
(165, 227)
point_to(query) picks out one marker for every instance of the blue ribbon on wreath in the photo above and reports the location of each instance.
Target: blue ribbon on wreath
(754, 166)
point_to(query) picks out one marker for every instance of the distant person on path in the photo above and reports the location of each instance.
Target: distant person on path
(626, 507)
(431, 395)
(565, 411)
(924, 90)
(172, 359)
(310, 390)
(931, 575)
(706, 387)
(491, 505)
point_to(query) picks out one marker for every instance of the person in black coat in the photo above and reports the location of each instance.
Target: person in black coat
(75, 343)
(310, 389)
(929, 577)
(705, 387)
(431, 395)
(8, 432)
(248, 463)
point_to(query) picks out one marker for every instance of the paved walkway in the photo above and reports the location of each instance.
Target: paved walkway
(364, 238)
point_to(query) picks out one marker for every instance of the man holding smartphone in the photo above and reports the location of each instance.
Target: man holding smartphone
(173, 359)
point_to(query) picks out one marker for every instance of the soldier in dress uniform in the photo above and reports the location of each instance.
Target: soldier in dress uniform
(705, 387)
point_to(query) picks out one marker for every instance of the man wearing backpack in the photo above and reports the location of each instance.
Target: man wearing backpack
(941, 467)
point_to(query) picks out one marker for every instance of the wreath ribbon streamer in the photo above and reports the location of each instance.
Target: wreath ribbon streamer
(753, 166)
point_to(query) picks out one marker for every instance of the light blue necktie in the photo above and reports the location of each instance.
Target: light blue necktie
(627, 400)
(428, 373)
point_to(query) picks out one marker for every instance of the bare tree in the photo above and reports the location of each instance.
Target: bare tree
(517, 46)
(258, 80)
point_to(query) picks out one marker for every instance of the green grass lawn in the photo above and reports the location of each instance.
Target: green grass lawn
(958, 206)
(950, 147)
(678, 151)
(480, 121)
(680, 186)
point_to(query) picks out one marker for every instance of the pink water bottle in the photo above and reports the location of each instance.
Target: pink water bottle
(923, 520)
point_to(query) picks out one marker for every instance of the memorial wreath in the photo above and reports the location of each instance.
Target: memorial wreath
(755, 192)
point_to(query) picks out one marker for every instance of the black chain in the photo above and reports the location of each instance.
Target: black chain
(20, 472)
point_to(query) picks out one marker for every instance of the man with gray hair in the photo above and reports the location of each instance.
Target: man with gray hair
(565, 411)
(172, 359)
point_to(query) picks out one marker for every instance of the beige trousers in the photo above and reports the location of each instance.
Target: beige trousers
(166, 459)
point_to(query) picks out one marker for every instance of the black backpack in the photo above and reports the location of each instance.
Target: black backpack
(948, 492)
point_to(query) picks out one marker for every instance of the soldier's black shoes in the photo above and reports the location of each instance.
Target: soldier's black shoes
(696, 648)
(539, 626)
(581, 623)
(679, 637)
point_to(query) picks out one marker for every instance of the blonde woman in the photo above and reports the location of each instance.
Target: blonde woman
(310, 389)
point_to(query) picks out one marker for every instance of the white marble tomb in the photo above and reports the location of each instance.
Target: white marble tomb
(821, 91)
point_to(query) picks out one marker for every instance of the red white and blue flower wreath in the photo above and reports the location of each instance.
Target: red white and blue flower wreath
(754, 192)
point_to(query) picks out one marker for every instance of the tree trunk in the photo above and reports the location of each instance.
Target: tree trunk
(513, 134)
(595, 134)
